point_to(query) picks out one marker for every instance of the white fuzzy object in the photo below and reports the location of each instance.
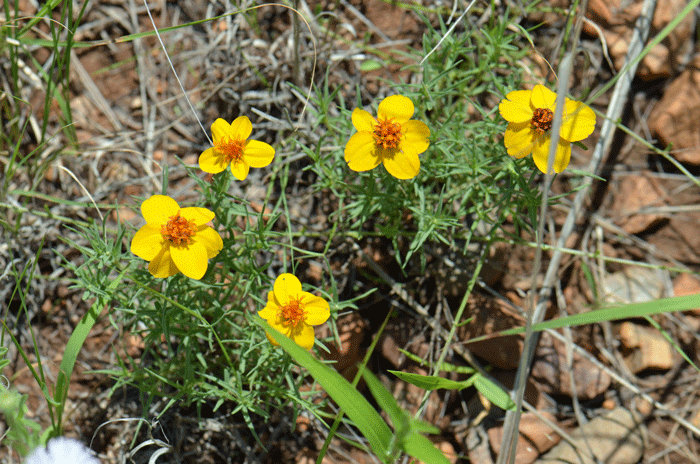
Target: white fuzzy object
(62, 450)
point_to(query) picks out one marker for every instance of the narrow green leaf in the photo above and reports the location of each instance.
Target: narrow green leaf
(421, 448)
(665, 305)
(371, 65)
(408, 438)
(70, 355)
(590, 279)
(423, 427)
(430, 382)
(356, 407)
(386, 401)
(494, 393)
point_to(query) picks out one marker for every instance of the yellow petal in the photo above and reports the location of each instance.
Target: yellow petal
(162, 265)
(317, 309)
(279, 325)
(212, 161)
(199, 216)
(561, 157)
(516, 106)
(542, 97)
(220, 129)
(275, 323)
(363, 121)
(360, 152)
(578, 123)
(271, 340)
(269, 312)
(286, 286)
(272, 299)
(258, 154)
(304, 336)
(519, 139)
(415, 134)
(240, 169)
(147, 242)
(404, 165)
(190, 259)
(158, 209)
(241, 128)
(396, 107)
(211, 240)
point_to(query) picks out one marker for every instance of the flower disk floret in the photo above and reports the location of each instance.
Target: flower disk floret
(392, 139)
(175, 239)
(232, 148)
(293, 312)
(530, 114)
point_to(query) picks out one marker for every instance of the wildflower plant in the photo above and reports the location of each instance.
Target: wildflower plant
(213, 255)
(227, 311)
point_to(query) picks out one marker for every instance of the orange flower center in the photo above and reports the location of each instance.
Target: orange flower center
(232, 149)
(293, 312)
(542, 120)
(387, 133)
(178, 230)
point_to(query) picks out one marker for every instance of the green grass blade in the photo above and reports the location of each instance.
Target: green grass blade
(494, 393)
(421, 448)
(75, 343)
(664, 305)
(430, 382)
(408, 438)
(386, 400)
(356, 407)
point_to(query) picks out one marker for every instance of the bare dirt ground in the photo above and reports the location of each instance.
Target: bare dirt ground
(126, 102)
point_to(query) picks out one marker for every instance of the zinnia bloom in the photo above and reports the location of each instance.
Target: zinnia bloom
(293, 312)
(391, 139)
(232, 147)
(530, 113)
(175, 239)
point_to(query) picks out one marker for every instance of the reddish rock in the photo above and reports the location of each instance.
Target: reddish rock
(490, 316)
(675, 118)
(645, 348)
(410, 398)
(617, 19)
(535, 437)
(554, 376)
(351, 329)
(686, 284)
(634, 194)
(618, 437)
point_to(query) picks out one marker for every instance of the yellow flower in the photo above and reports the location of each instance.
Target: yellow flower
(530, 113)
(232, 147)
(293, 312)
(390, 139)
(175, 239)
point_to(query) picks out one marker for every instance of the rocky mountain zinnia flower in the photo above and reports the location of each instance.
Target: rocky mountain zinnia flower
(391, 139)
(175, 239)
(231, 147)
(293, 312)
(530, 113)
